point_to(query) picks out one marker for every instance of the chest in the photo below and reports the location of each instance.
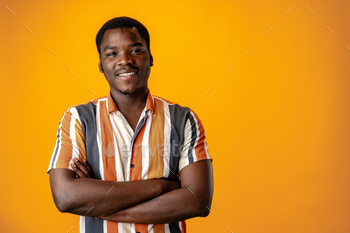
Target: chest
(125, 154)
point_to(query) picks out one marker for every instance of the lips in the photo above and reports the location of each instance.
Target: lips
(126, 71)
(126, 74)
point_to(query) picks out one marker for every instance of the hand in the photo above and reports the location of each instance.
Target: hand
(82, 169)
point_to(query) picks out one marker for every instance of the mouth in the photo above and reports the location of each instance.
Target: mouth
(127, 74)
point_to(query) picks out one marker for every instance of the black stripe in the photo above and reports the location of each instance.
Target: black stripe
(87, 114)
(93, 225)
(178, 122)
(193, 139)
(174, 227)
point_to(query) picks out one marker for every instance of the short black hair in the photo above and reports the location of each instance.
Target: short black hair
(122, 22)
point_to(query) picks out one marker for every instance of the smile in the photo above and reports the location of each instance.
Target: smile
(126, 74)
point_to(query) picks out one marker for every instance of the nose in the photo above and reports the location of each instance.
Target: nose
(125, 59)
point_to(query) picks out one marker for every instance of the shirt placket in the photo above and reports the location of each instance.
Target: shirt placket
(139, 127)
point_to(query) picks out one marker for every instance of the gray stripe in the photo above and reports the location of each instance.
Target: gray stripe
(87, 114)
(178, 121)
(174, 227)
(57, 144)
(93, 225)
(193, 139)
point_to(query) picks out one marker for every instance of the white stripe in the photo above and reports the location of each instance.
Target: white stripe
(167, 133)
(75, 149)
(127, 227)
(133, 228)
(120, 227)
(167, 230)
(195, 144)
(98, 137)
(206, 147)
(150, 228)
(145, 147)
(75, 113)
(184, 159)
(123, 134)
(82, 224)
(105, 226)
(118, 165)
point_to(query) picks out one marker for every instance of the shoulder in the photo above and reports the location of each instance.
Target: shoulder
(176, 110)
(86, 110)
(172, 107)
(181, 117)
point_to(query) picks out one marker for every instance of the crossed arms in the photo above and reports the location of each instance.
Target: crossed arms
(155, 201)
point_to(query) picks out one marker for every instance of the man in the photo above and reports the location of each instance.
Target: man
(130, 161)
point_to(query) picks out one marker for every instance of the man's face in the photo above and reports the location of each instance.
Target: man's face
(125, 60)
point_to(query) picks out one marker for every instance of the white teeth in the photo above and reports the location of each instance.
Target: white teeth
(126, 74)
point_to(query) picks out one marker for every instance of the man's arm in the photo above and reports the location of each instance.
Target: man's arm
(191, 200)
(91, 197)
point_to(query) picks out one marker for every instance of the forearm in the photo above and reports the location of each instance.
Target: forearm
(173, 206)
(191, 200)
(91, 197)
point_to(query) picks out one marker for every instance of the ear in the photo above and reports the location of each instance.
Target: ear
(151, 59)
(100, 66)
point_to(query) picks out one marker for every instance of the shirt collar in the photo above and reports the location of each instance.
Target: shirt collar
(112, 107)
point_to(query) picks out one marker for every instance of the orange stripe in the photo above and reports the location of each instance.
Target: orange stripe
(95, 101)
(142, 228)
(108, 155)
(156, 142)
(199, 149)
(159, 228)
(167, 101)
(66, 151)
(136, 159)
(79, 137)
(112, 227)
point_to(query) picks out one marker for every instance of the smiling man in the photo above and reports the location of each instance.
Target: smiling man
(130, 161)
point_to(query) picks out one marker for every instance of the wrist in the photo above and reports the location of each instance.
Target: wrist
(160, 185)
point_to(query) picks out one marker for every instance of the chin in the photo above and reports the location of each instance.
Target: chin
(129, 91)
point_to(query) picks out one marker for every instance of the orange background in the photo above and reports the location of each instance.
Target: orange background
(277, 123)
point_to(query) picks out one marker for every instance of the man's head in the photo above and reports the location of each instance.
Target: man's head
(123, 22)
(125, 58)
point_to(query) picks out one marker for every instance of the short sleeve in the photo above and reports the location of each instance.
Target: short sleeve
(195, 146)
(70, 141)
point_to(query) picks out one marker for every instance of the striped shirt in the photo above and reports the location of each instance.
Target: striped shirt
(167, 138)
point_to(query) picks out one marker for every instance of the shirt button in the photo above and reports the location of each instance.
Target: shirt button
(132, 166)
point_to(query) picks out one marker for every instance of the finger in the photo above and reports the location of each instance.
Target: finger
(87, 165)
(81, 167)
(78, 172)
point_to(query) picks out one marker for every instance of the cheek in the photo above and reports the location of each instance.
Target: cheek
(109, 67)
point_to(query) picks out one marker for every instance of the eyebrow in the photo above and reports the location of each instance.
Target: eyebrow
(136, 44)
(109, 47)
(132, 45)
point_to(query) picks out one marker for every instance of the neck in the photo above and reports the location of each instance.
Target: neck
(130, 102)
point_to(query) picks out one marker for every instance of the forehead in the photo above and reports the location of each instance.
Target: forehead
(121, 36)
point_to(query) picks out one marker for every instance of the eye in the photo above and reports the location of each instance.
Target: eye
(137, 51)
(112, 54)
